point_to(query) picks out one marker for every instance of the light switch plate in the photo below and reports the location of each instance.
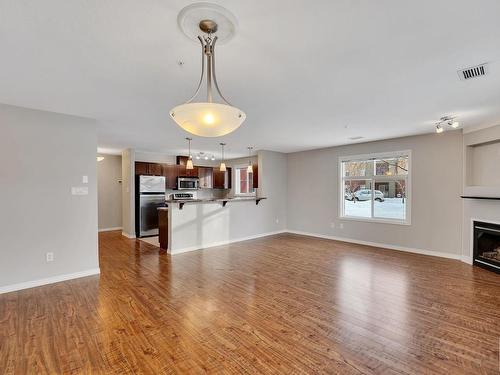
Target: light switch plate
(79, 190)
(85, 179)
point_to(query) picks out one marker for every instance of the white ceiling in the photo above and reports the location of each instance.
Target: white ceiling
(308, 74)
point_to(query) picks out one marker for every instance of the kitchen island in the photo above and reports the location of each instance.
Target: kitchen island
(199, 223)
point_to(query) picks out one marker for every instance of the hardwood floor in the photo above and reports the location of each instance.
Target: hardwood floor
(282, 304)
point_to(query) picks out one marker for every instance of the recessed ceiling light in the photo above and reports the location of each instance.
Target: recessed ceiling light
(356, 138)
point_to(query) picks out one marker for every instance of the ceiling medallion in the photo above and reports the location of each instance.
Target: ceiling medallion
(207, 118)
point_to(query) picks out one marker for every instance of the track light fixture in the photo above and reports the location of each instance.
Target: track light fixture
(446, 120)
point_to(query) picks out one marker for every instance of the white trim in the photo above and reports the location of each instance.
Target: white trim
(236, 185)
(466, 259)
(110, 229)
(381, 245)
(374, 155)
(125, 234)
(221, 243)
(48, 280)
(373, 179)
(375, 220)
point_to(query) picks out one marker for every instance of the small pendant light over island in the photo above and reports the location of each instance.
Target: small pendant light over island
(222, 167)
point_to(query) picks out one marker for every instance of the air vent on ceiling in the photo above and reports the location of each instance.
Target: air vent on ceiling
(473, 72)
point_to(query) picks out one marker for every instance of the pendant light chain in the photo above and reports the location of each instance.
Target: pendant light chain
(250, 167)
(222, 166)
(189, 147)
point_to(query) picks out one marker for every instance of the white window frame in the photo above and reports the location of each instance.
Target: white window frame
(372, 179)
(236, 182)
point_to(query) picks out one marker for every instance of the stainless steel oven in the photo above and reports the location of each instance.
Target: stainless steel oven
(188, 183)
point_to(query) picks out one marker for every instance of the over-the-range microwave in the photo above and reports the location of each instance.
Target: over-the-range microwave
(188, 183)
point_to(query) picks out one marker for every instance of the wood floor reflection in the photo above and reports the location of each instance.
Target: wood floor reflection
(282, 304)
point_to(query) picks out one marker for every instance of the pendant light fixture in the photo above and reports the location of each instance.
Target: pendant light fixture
(250, 167)
(189, 163)
(222, 167)
(207, 118)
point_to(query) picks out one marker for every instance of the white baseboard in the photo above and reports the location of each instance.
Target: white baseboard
(381, 245)
(110, 229)
(125, 234)
(48, 280)
(221, 243)
(466, 259)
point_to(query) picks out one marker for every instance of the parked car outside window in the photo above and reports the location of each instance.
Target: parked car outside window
(365, 195)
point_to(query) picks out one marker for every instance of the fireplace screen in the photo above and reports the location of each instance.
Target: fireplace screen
(487, 245)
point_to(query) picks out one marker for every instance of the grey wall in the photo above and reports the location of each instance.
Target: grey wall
(109, 192)
(436, 211)
(154, 157)
(43, 156)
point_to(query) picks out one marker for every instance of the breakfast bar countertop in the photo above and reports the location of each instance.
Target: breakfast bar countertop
(224, 201)
(208, 200)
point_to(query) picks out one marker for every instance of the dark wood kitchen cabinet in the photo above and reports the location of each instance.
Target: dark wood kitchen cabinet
(170, 172)
(163, 227)
(221, 180)
(255, 175)
(155, 169)
(181, 162)
(151, 169)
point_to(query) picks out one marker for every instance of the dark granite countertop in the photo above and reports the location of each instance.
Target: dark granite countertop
(214, 200)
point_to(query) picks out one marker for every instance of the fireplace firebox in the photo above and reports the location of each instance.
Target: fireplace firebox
(487, 245)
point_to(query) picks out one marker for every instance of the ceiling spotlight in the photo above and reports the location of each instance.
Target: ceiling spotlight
(446, 120)
(212, 158)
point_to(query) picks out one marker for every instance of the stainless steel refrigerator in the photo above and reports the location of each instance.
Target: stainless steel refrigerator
(150, 195)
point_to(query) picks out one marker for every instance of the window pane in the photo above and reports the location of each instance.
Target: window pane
(390, 200)
(250, 183)
(358, 168)
(357, 198)
(392, 166)
(242, 172)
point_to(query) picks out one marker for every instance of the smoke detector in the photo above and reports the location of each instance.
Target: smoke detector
(473, 72)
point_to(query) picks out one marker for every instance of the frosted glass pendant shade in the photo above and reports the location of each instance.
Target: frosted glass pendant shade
(208, 119)
(222, 167)
(250, 169)
(189, 164)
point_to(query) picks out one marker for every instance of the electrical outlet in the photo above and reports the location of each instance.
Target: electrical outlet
(50, 257)
(332, 225)
(85, 179)
(277, 221)
(341, 225)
